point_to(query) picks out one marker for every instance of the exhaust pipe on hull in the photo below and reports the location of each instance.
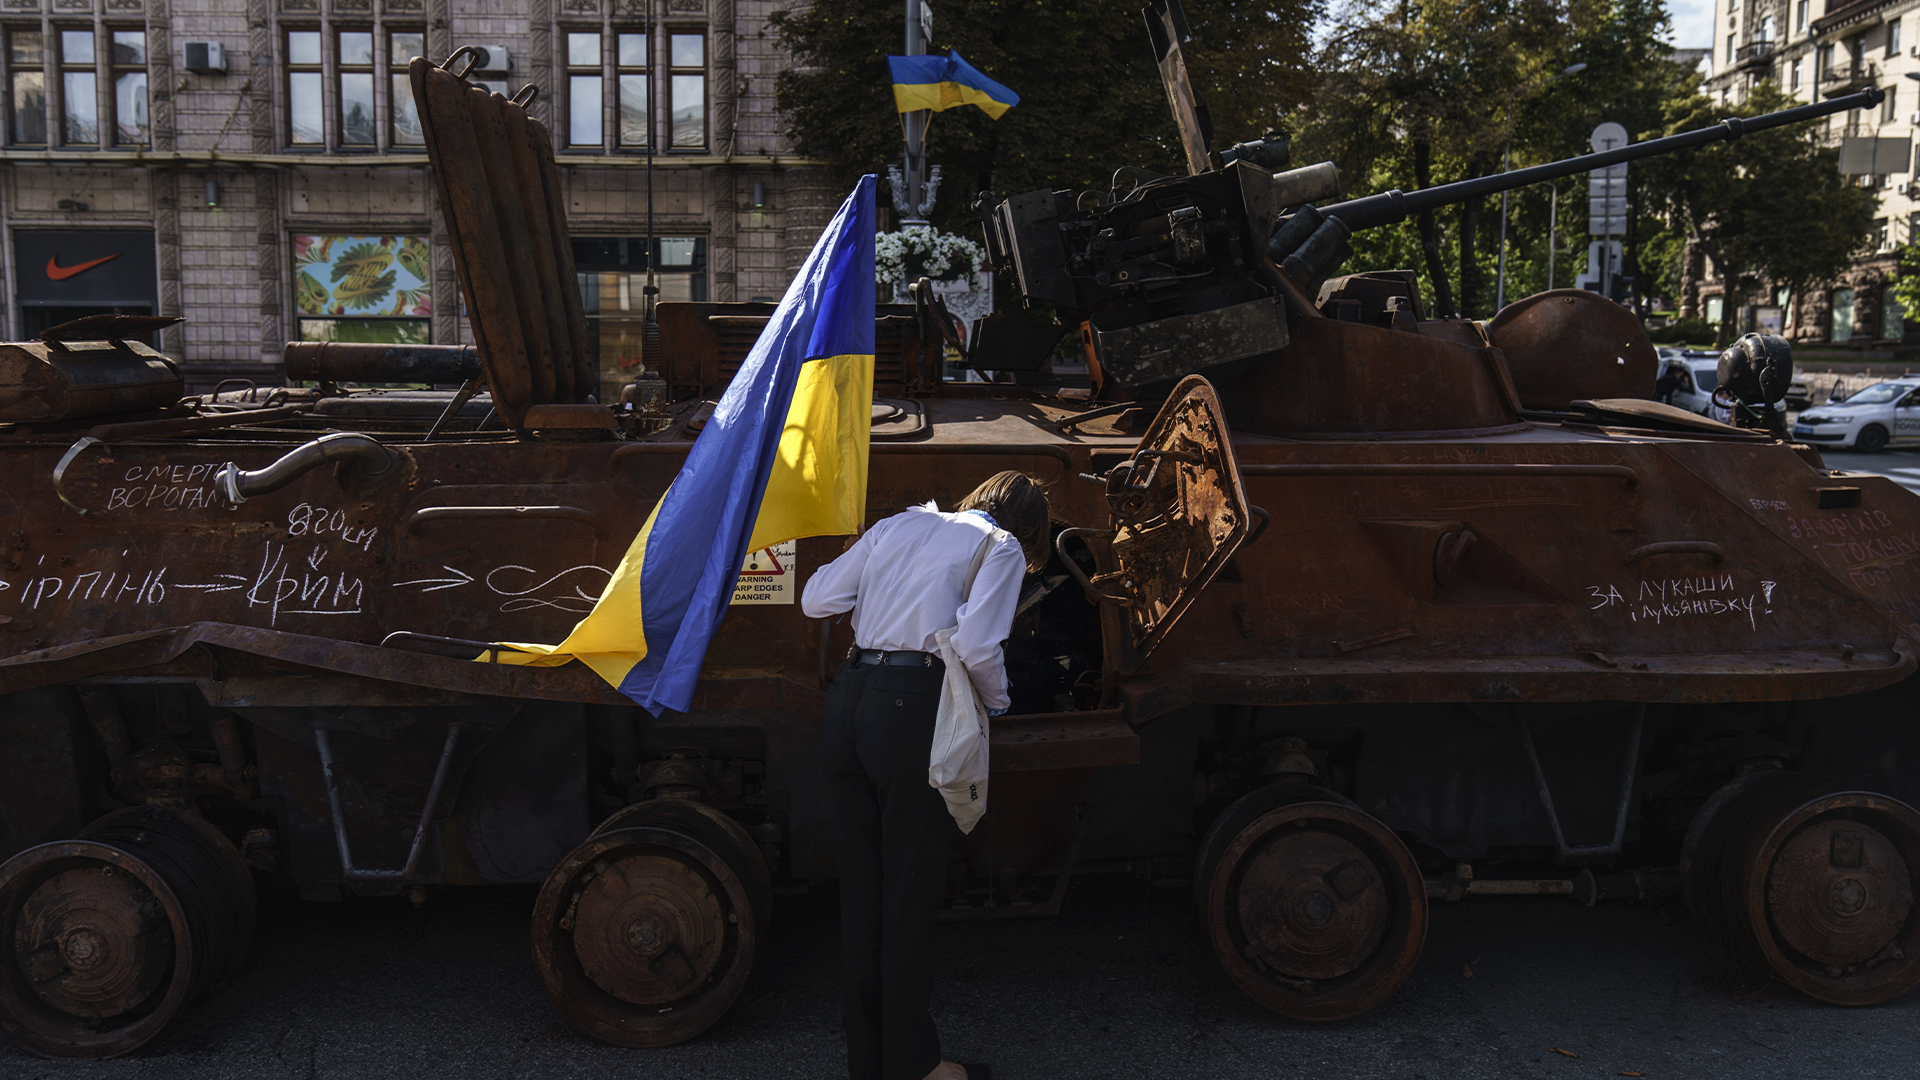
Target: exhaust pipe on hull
(373, 460)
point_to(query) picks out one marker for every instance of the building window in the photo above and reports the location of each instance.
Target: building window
(689, 74)
(305, 115)
(1880, 233)
(402, 47)
(27, 126)
(1893, 38)
(1765, 33)
(1800, 16)
(1730, 47)
(612, 273)
(352, 116)
(1893, 325)
(585, 84)
(630, 61)
(355, 90)
(1715, 306)
(1795, 73)
(129, 61)
(1890, 107)
(1842, 327)
(363, 288)
(592, 74)
(79, 100)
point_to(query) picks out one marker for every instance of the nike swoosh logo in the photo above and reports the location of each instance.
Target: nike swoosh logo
(56, 272)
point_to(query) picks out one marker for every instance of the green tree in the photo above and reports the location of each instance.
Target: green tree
(1906, 287)
(1090, 96)
(1424, 92)
(1771, 205)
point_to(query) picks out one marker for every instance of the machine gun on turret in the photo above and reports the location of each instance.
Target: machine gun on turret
(1169, 276)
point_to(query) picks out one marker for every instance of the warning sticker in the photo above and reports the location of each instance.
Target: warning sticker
(767, 576)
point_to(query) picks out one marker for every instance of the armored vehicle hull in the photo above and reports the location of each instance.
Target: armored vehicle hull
(1349, 610)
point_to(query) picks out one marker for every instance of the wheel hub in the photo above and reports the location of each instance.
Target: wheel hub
(646, 936)
(93, 943)
(1838, 892)
(649, 929)
(1312, 906)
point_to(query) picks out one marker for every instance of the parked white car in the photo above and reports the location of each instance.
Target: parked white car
(1884, 414)
(1693, 375)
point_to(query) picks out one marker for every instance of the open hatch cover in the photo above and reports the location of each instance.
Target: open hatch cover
(1178, 515)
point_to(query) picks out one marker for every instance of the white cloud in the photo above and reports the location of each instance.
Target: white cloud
(1693, 22)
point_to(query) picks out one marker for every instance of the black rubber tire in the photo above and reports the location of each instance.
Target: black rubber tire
(1871, 440)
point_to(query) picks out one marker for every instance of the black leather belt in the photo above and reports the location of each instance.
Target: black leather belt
(897, 658)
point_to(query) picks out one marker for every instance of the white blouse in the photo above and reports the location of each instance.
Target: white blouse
(902, 581)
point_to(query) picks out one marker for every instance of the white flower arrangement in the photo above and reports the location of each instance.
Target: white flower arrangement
(922, 251)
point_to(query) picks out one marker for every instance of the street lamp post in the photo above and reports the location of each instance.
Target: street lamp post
(1506, 165)
(916, 200)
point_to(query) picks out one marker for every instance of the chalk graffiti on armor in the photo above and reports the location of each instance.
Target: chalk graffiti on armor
(320, 592)
(117, 587)
(317, 521)
(171, 487)
(579, 600)
(1675, 598)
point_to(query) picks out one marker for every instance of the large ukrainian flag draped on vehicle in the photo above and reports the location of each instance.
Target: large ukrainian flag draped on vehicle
(783, 456)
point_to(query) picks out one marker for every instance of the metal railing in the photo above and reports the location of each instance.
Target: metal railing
(1852, 74)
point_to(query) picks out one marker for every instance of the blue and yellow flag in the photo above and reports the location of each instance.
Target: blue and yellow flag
(945, 82)
(783, 456)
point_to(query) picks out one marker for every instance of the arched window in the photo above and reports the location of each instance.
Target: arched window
(1892, 317)
(1842, 329)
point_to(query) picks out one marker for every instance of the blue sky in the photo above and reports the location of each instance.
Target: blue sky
(1692, 23)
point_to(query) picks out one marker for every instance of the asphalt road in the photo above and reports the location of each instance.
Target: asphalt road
(1119, 985)
(1901, 465)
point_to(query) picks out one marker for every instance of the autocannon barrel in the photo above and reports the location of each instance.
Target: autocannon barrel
(1391, 206)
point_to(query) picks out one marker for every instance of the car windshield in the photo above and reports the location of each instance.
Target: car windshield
(1879, 394)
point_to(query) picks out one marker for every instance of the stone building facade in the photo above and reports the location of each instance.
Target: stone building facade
(285, 193)
(1813, 49)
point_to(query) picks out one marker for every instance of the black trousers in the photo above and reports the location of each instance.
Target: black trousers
(893, 862)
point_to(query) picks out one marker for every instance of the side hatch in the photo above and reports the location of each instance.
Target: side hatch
(1177, 515)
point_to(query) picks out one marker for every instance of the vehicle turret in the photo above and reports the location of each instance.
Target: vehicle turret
(1209, 273)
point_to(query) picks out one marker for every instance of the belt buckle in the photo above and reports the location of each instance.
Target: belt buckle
(926, 659)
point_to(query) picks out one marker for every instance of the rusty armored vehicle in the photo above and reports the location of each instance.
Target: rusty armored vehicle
(1351, 609)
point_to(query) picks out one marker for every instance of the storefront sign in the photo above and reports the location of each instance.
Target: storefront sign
(74, 267)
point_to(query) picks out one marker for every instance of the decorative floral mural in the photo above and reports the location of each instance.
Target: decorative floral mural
(361, 275)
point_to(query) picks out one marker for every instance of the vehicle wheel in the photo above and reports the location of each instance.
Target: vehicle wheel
(713, 828)
(1814, 886)
(644, 936)
(111, 934)
(1871, 440)
(1314, 908)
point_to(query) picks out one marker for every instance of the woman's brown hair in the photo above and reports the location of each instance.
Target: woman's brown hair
(1017, 504)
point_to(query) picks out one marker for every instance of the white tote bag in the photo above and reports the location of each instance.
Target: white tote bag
(958, 763)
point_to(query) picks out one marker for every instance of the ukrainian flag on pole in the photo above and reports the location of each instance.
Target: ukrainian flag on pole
(945, 82)
(783, 456)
